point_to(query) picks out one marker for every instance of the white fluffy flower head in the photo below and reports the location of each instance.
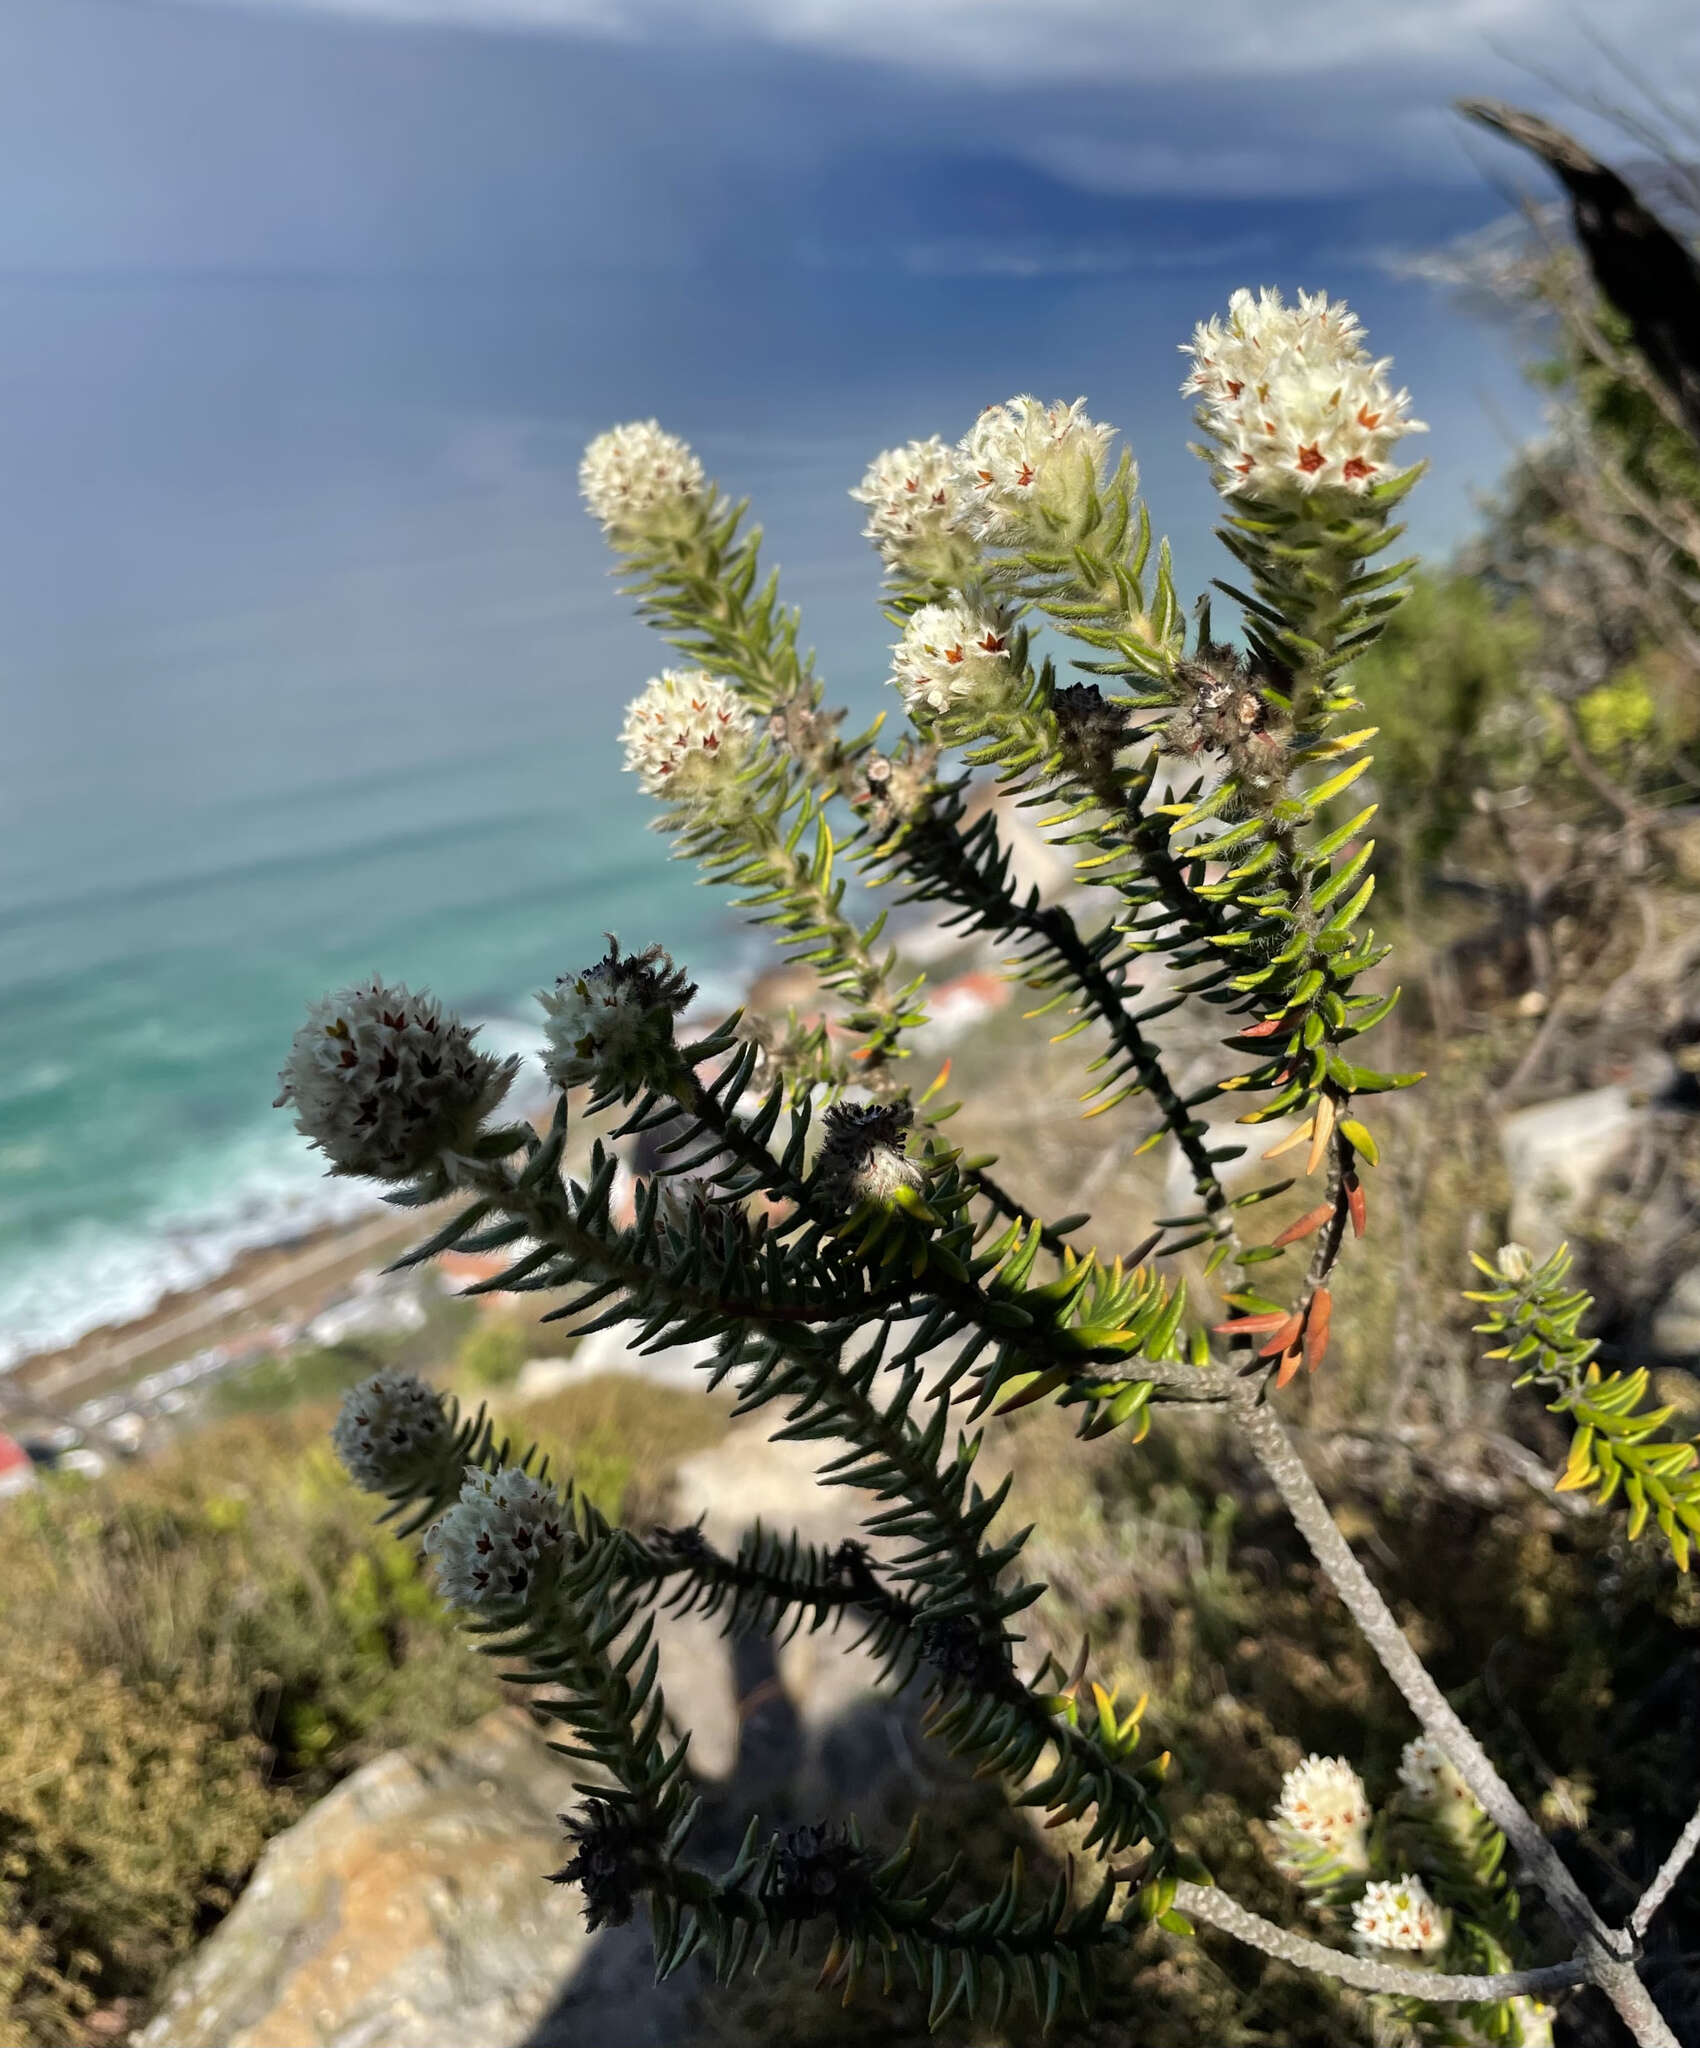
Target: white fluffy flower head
(1292, 400)
(950, 653)
(632, 476)
(612, 1024)
(1030, 470)
(505, 1535)
(917, 498)
(686, 728)
(1324, 1803)
(384, 1081)
(1399, 1915)
(391, 1429)
(1429, 1776)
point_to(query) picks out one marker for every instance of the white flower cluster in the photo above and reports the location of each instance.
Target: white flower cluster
(1030, 468)
(1399, 1915)
(1324, 1804)
(1025, 472)
(914, 497)
(1430, 1777)
(391, 1429)
(384, 1081)
(504, 1533)
(950, 653)
(686, 724)
(612, 1025)
(633, 472)
(1292, 400)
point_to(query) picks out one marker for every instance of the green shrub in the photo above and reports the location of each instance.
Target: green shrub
(491, 1353)
(194, 1650)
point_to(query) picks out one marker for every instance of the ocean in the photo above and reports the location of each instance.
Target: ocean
(313, 665)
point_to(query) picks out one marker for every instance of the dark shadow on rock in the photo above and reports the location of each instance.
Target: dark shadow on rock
(789, 1772)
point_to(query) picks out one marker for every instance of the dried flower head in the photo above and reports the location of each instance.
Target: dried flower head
(1323, 1803)
(635, 474)
(959, 1648)
(687, 727)
(612, 1024)
(610, 1849)
(1092, 729)
(391, 1431)
(950, 654)
(917, 501)
(1291, 400)
(1399, 1915)
(862, 1157)
(384, 1081)
(503, 1538)
(1032, 470)
(818, 1870)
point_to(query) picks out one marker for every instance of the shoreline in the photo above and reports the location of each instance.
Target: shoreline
(258, 1302)
(263, 1299)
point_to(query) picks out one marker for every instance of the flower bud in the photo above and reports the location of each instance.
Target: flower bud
(391, 1432)
(611, 1026)
(1430, 1777)
(1515, 1262)
(384, 1081)
(1324, 1811)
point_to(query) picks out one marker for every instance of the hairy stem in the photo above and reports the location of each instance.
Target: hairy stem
(1682, 1852)
(1364, 1973)
(1606, 1953)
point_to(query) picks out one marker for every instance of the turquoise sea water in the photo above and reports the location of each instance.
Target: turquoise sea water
(311, 664)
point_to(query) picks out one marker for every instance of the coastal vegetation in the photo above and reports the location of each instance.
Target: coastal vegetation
(859, 1269)
(1267, 1847)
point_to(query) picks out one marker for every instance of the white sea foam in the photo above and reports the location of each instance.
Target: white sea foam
(262, 1186)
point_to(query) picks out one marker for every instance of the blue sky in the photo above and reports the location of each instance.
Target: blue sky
(362, 136)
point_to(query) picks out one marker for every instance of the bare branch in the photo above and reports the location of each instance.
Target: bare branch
(1669, 1871)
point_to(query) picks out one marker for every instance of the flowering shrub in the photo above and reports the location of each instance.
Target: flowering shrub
(854, 1271)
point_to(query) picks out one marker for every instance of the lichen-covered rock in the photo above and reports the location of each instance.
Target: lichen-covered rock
(407, 1910)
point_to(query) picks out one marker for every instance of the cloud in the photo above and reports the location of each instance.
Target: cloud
(1042, 42)
(957, 138)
